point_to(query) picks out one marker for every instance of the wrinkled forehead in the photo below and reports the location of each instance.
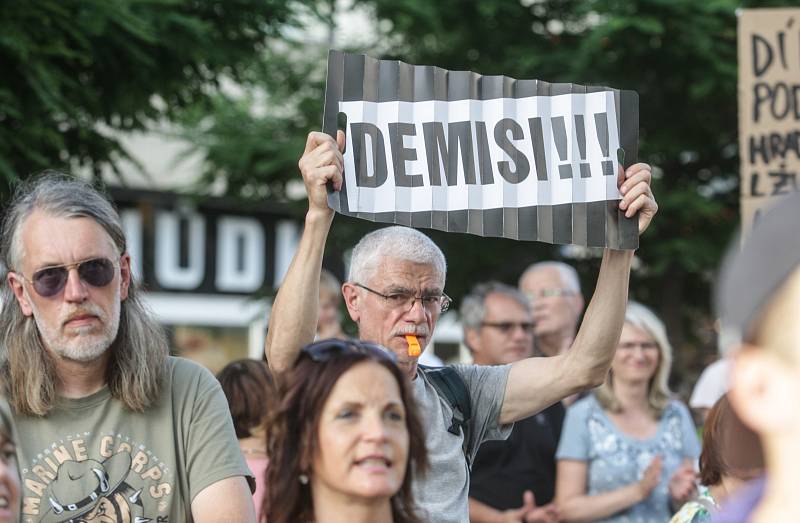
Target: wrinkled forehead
(546, 277)
(500, 307)
(392, 272)
(45, 239)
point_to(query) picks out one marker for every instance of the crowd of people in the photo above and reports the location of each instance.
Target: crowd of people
(565, 414)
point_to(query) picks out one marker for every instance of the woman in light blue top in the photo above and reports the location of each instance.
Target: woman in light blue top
(627, 451)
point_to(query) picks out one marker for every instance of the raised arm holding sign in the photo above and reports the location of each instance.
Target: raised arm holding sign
(396, 287)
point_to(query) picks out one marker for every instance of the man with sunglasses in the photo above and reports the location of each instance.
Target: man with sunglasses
(511, 477)
(396, 287)
(107, 421)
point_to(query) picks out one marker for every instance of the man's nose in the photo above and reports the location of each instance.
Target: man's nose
(520, 331)
(417, 313)
(538, 304)
(76, 289)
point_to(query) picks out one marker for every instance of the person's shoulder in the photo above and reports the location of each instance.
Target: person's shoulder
(691, 512)
(468, 370)
(584, 405)
(677, 407)
(183, 371)
(583, 409)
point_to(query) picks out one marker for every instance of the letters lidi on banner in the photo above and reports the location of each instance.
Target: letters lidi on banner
(487, 155)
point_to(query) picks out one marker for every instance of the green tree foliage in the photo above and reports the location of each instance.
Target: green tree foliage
(252, 136)
(679, 55)
(76, 71)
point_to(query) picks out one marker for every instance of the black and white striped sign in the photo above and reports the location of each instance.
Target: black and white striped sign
(488, 155)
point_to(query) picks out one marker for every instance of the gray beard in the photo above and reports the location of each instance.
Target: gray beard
(82, 348)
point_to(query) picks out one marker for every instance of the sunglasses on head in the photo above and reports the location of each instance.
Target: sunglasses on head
(326, 350)
(49, 281)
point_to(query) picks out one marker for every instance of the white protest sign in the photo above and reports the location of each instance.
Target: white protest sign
(495, 156)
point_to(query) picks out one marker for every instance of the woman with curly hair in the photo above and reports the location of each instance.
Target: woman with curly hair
(344, 438)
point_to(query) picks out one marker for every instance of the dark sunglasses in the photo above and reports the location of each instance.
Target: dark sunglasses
(97, 272)
(325, 350)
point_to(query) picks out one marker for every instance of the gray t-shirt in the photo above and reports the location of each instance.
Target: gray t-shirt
(93, 456)
(442, 493)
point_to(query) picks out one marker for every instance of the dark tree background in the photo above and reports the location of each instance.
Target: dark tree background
(75, 70)
(680, 56)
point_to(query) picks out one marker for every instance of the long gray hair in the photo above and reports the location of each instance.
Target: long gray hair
(138, 354)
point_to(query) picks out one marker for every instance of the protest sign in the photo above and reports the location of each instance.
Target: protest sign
(769, 108)
(487, 155)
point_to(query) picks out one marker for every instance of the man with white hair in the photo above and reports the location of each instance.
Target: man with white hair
(557, 304)
(395, 292)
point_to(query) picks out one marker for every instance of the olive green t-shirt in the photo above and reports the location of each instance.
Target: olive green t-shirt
(92, 456)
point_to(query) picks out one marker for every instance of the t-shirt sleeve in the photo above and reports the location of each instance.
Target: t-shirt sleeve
(574, 442)
(691, 444)
(487, 389)
(212, 450)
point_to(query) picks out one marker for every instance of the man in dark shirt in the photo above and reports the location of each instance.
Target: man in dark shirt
(510, 477)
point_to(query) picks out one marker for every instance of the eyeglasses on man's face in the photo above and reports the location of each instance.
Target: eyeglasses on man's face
(404, 300)
(50, 281)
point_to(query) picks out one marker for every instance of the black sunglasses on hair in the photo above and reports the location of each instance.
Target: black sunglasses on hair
(326, 350)
(49, 281)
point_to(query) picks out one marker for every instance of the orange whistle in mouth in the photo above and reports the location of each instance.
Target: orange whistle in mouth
(414, 350)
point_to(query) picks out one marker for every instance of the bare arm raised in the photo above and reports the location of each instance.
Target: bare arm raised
(535, 383)
(293, 319)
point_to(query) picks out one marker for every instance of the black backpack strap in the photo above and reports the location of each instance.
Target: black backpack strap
(450, 386)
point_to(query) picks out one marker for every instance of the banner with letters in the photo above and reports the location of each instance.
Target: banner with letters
(487, 155)
(769, 108)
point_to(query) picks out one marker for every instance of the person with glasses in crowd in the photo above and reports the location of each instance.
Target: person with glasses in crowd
(554, 290)
(108, 423)
(627, 451)
(395, 292)
(509, 478)
(344, 438)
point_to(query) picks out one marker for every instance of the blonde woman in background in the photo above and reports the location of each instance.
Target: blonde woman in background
(627, 450)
